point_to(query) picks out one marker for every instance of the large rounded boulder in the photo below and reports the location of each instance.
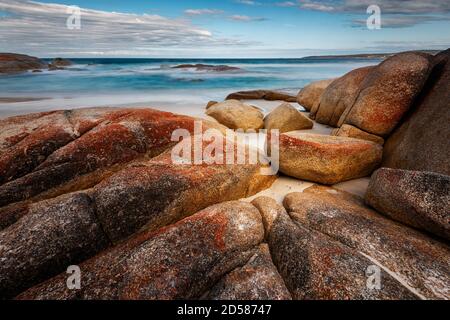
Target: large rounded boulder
(421, 142)
(340, 95)
(388, 92)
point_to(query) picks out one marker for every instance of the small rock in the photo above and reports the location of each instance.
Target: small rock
(60, 62)
(207, 67)
(310, 94)
(286, 118)
(236, 115)
(261, 94)
(327, 159)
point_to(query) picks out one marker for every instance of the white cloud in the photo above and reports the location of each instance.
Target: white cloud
(395, 13)
(286, 4)
(244, 18)
(40, 29)
(387, 6)
(248, 2)
(317, 6)
(197, 12)
(401, 21)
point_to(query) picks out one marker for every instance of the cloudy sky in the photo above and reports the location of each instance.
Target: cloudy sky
(224, 28)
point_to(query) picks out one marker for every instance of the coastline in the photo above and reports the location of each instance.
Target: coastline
(196, 108)
(101, 162)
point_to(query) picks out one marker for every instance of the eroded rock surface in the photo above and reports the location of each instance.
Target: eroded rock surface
(314, 266)
(52, 235)
(142, 195)
(181, 261)
(47, 154)
(421, 263)
(258, 279)
(416, 198)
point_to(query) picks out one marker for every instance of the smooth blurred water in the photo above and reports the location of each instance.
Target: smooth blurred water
(103, 76)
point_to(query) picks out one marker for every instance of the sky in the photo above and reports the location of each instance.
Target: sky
(219, 29)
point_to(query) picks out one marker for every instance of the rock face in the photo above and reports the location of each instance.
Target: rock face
(418, 261)
(157, 192)
(286, 118)
(340, 95)
(145, 197)
(421, 142)
(261, 94)
(51, 234)
(327, 159)
(47, 154)
(236, 115)
(16, 63)
(310, 94)
(314, 266)
(207, 67)
(141, 194)
(388, 92)
(415, 198)
(181, 261)
(347, 130)
(256, 280)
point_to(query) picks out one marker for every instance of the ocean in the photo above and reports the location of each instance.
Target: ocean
(102, 81)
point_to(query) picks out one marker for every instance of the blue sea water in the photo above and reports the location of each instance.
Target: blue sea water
(143, 75)
(122, 80)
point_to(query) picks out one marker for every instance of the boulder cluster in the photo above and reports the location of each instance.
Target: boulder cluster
(98, 188)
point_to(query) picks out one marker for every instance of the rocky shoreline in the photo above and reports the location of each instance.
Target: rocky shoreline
(98, 188)
(13, 63)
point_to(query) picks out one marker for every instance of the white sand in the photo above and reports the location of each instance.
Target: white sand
(193, 107)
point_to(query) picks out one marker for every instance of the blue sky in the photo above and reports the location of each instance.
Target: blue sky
(226, 28)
